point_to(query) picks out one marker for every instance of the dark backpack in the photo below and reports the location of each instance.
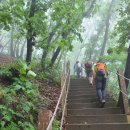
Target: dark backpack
(88, 65)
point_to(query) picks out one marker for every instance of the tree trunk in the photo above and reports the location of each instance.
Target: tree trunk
(59, 59)
(30, 33)
(48, 44)
(12, 42)
(3, 47)
(15, 47)
(107, 28)
(54, 57)
(45, 51)
(22, 50)
(100, 30)
(88, 12)
(127, 68)
(17, 50)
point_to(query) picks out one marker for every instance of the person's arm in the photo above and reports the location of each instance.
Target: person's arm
(95, 69)
(83, 66)
(106, 72)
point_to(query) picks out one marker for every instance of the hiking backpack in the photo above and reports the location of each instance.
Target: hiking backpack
(100, 66)
(88, 65)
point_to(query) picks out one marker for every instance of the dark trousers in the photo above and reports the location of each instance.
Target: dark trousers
(89, 72)
(78, 72)
(100, 85)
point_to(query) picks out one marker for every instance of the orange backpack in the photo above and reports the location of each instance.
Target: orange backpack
(100, 66)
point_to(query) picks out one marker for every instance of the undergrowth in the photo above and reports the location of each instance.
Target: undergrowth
(19, 98)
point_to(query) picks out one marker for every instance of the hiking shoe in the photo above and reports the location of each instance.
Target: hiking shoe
(103, 103)
(91, 84)
(103, 100)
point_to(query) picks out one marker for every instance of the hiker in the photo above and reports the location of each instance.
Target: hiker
(78, 69)
(89, 71)
(100, 81)
(82, 66)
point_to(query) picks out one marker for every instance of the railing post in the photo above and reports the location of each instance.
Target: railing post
(62, 82)
(68, 66)
(123, 99)
(64, 91)
(44, 117)
(68, 71)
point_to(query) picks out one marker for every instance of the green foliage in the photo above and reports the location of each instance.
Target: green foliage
(114, 57)
(51, 75)
(56, 125)
(19, 101)
(123, 25)
(113, 85)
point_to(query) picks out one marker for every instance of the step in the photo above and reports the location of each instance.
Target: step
(119, 118)
(94, 111)
(82, 79)
(89, 105)
(86, 100)
(105, 126)
(82, 86)
(82, 92)
(82, 96)
(81, 89)
(79, 82)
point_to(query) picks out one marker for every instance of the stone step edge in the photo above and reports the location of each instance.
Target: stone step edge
(88, 124)
(95, 102)
(96, 108)
(87, 98)
(96, 115)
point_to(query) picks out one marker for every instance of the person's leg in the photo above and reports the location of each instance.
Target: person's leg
(78, 73)
(103, 88)
(103, 98)
(98, 89)
(91, 77)
(99, 94)
(91, 80)
(103, 95)
(87, 73)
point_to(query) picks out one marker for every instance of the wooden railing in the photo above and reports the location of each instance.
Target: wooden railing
(123, 100)
(46, 118)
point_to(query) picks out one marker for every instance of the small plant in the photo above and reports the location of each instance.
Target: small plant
(51, 75)
(56, 125)
(19, 99)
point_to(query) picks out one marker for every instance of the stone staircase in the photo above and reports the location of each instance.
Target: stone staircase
(84, 112)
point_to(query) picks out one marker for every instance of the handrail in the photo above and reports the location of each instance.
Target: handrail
(54, 114)
(119, 88)
(64, 108)
(122, 93)
(123, 98)
(123, 77)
